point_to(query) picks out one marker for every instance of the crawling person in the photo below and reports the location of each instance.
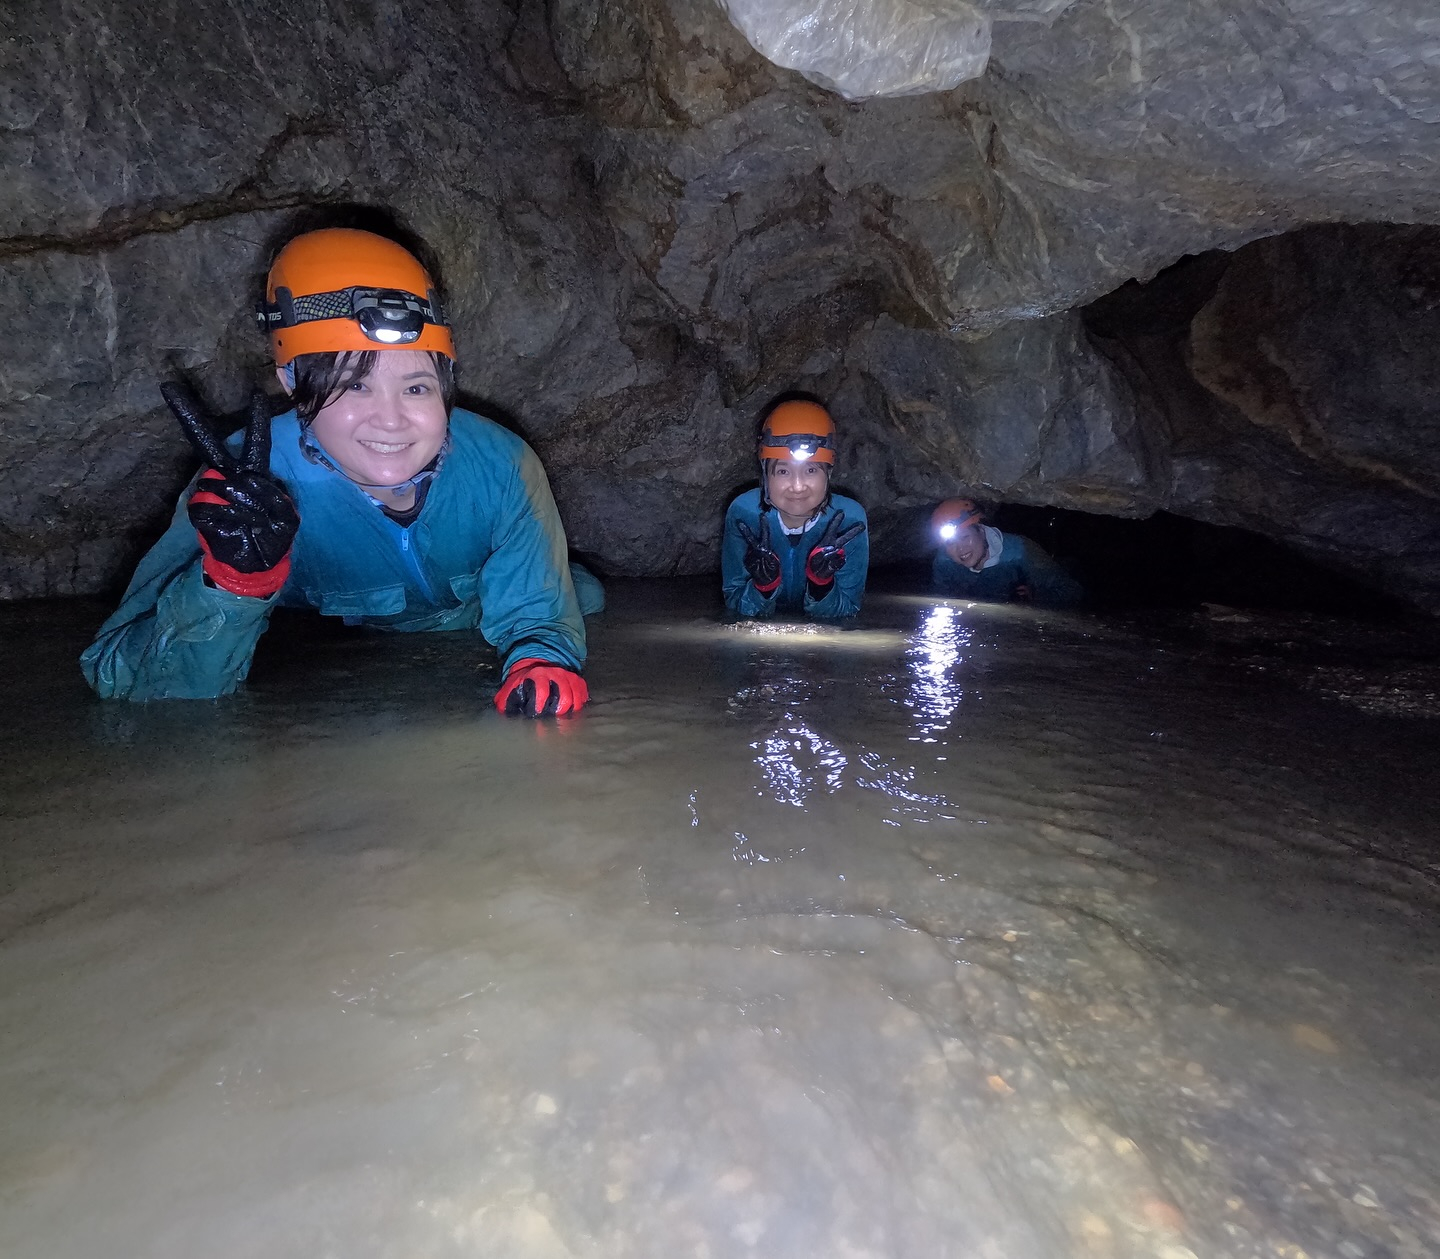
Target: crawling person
(977, 561)
(373, 499)
(790, 545)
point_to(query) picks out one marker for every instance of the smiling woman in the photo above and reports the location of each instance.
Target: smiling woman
(386, 422)
(372, 500)
(816, 559)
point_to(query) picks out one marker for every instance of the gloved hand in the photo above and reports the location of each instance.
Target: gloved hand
(245, 520)
(541, 688)
(761, 562)
(827, 557)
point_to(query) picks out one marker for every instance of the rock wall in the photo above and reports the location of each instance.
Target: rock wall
(648, 231)
(1296, 381)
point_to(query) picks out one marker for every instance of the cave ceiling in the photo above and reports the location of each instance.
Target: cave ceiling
(647, 230)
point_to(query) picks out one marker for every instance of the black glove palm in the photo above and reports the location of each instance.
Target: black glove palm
(243, 515)
(761, 562)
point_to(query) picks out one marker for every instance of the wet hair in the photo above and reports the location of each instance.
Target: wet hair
(321, 378)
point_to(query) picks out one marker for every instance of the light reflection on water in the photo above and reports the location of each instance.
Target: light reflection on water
(780, 759)
(934, 660)
(398, 990)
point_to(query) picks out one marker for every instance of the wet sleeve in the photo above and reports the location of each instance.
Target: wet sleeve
(174, 637)
(1050, 585)
(848, 589)
(741, 597)
(527, 597)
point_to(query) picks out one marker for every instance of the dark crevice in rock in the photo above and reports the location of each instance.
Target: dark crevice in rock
(119, 229)
(254, 195)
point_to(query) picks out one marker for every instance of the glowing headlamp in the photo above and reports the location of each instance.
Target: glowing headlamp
(798, 446)
(389, 316)
(948, 531)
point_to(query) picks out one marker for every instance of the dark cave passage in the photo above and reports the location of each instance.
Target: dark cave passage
(1168, 561)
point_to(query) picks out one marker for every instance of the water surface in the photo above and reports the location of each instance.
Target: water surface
(973, 932)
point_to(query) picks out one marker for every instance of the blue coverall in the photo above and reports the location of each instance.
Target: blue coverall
(847, 590)
(1022, 563)
(487, 551)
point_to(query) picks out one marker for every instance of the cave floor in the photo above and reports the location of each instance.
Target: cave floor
(974, 932)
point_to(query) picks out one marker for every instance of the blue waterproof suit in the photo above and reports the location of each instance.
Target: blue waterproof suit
(847, 590)
(1021, 563)
(487, 551)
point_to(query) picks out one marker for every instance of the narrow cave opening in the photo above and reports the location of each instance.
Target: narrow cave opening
(1171, 561)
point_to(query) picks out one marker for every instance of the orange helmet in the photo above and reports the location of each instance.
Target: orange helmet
(953, 515)
(798, 430)
(340, 289)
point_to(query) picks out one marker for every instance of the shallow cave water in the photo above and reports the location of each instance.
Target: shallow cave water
(970, 931)
(966, 931)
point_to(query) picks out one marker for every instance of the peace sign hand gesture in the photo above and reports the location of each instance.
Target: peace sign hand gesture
(827, 557)
(761, 562)
(243, 516)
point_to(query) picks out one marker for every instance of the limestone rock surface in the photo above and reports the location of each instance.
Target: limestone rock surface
(648, 230)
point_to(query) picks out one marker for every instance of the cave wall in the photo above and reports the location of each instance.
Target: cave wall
(647, 231)
(1297, 380)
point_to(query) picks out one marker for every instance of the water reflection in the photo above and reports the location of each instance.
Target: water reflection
(795, 762)
(932, 657)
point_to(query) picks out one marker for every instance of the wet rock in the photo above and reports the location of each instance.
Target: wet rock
(648, 230)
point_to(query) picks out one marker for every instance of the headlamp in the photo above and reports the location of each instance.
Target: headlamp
(948, 532)
(389, 316)
(799, 446)
(386, 316)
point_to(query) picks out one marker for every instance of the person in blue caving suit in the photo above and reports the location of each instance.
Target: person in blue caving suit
(373, 500)
(977, 561)
(790, 545)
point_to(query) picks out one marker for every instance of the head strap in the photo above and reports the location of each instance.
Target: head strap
(389, 317)
(799, 446)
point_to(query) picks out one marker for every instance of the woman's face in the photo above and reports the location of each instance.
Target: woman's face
(797, 488)
(383, 429)
(968, 546)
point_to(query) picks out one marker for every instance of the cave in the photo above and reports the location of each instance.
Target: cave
(960, 928)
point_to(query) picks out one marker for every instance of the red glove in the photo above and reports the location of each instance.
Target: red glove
(761, 562)
(245, 520)
(827, 556)
(258, 585)
(540, 688)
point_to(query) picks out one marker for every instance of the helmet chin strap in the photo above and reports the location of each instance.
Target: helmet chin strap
(315, 453)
